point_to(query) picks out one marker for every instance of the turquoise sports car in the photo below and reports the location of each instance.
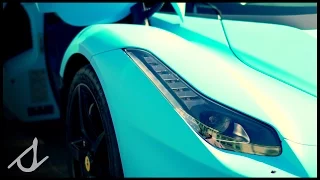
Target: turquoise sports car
(169, 89)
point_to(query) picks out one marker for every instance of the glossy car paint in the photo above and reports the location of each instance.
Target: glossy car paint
(282, 52)
(153, 140)
(231, 83)
(312, 32)
(214, 40)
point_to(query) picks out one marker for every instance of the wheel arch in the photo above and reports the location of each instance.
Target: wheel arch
(74, 64)
(100, 38)
(85, 45)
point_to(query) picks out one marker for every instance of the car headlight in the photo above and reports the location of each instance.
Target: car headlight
(219, 125)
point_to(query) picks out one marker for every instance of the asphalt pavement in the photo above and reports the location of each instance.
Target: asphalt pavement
(51, 142)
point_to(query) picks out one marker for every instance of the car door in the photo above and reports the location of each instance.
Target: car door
(26, 90)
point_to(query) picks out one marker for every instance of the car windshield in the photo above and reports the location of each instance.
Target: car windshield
(299, 15)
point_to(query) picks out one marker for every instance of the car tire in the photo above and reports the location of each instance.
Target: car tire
(87, 81)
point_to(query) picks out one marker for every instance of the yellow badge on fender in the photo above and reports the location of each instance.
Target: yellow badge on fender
(87, 163)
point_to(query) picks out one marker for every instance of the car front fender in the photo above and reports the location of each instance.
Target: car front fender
(100, 38)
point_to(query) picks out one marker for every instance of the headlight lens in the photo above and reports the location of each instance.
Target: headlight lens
(220, 126)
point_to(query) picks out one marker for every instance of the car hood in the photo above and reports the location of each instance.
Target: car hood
(221, 76)
(285, 53)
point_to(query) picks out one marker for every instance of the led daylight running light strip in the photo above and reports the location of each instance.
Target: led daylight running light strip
(209, 134)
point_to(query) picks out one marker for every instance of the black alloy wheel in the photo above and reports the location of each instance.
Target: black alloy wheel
(91, 137)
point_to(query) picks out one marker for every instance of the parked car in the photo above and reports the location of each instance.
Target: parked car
(169, 89)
